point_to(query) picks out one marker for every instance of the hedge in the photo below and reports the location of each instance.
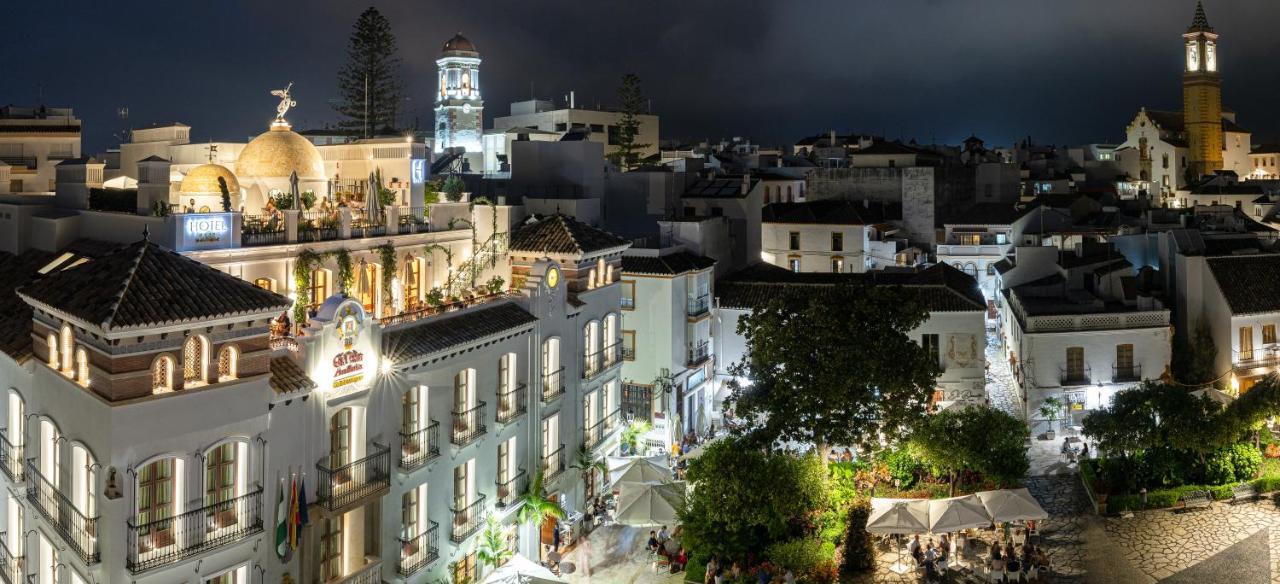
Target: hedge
(1165, 498)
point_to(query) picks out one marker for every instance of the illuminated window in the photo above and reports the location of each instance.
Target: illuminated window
(82, 366)
(193, 360)
(331, 548)
(1246, 343)
(67, 341)
(340, 439)
(228, 363)
(319, 287)
(220, 481)
(1268, 334)
(155, 503)
(369, 284)
(793, 263)
(51, 344)
(837, 265)
(970, 238)
(265, 284)
(412, 281)
(162, 374)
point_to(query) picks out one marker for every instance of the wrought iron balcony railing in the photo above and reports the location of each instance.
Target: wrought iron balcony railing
(467, 520)
(698, 354)
(1121, 373)
(164, 541)
(11, 566)
(420, 446)
(468, 426)
(553, 385)
(348, 484)
(10, 458)
(512, 403)
(80, 532)
(598, 432)
(699, 306)
(419, 552)
(509, 492)
(1075, 375)
(553, 463)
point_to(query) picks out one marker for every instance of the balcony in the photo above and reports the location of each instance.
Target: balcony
(1122, 373)
(594, 364)
(596, 434)
(344, 486)
(23, 161)
(11, 566)
(171, 539)
(1074, 375)
(10, 458)
(419, 552)
(80, 532)
(468, 426)
(512, 403)
(1265, 356)
(420, 446)
(509, 492)
(370, 573)
(467, 520)
(698, 306)
(553, 463)
(553, 385)
(986, 249)
(698, 354)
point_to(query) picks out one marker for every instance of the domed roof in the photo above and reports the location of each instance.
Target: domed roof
(459, 43)
(203, 179)
(279, 152)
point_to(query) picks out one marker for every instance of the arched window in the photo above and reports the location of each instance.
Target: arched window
(340, 439)
(16, 432)
(228, 363)
(608, 274)
(84, 480)
(82, 366)
(158, 498)
(67, 342)
(51, 344)
(991, 269)
(194, 352)
(591, 279)
(162, 374)
(971, 269)
(600, 273)
(591, 348)
(49, 463)
(552, 374)
(224, 479)
(788, 193)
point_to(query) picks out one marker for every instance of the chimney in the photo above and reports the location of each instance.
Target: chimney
(746, 183)
(73, 180)
(153, 183)
(831, 137)
(571, 99)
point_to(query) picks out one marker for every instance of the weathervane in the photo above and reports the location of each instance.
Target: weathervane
(286, 102)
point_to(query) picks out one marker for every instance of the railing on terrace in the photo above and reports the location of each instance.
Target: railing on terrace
(698, 353)
(553, 463)
(512, 403)
(262, 230)
(164, 541)
(1126, 373)
(370, 573)
(419, 552)
(699, 306)
(960, 249)
(10, 458)
(80, 532)
(411, 217)
(510, 490)
(11, 567)
(317, 226)
(420, 446)
(1102, 321)
(365, 225)
(468, 425)
(552, 385)
(467, 520)
(25, 161)
(351, 482)
(1261, 357)
(596, 434)
(429, 311)
(1074, 375)
(612, 354)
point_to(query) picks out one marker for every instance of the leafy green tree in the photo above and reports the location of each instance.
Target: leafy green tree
(535, 506)
(745, 499)
(1194, 357)
(585, 463)
(226, 195)
(369, 84)
(833, 365)
(491, 547)
(630, 101)
(979, 439)
(453, 188)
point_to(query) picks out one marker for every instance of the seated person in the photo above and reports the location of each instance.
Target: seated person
(680, 560)
(653, 544)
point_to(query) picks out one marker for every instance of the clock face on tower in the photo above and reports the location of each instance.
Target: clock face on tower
(1210, 58)
(1193, 57)
(553, 277)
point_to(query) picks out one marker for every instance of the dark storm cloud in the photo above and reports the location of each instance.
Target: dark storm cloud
(1063, 71)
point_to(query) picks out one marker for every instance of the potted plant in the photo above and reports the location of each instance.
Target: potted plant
(1050, 410)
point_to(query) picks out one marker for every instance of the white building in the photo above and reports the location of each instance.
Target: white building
(32, 142)
(459, 107)
(829, 236)
(1234, 294)
(1154, 153)
(977, 239)
(602, 125)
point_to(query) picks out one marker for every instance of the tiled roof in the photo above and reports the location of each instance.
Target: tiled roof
(827, 212)
(987, 214)
(145, 284)
(562, 234)
(670, 264)
(438, 334)
(719, 188)
(941, 287)
(15, 315)
(1250, 284)
(288, 377)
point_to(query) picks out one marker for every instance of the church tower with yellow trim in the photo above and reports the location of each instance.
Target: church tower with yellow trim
(1202, 97)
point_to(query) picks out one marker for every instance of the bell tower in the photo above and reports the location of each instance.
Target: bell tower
(1202, 97)
(459, 109)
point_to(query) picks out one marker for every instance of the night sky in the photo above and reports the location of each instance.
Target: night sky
(1062, 71)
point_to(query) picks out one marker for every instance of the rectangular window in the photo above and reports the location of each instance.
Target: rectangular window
(562, 127)
(155, 502)
(837, 241)
(1002, 238)
(319, 287)
(340, 439)
(793, 264)
(1268, 334)
(628, 294)
(1075, 364)
(464, 570)
(970, 239)
(933, 346)
(331, 548)
(1124, 355)
(410, 421)
(614, 135)
(504, 462)
(409, 514)
(837, 265)
(461, 494)
(1246, 343)
(597, 128)
(220, 474)
(629, 345)
(793, 240)
(717, 211)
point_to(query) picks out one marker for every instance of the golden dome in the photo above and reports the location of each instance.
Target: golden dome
(277, 153)
(203, 179)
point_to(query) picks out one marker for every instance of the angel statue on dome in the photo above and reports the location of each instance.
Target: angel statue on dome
(286, 102)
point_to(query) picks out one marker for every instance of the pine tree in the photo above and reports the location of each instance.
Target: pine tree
(630, 100)
(370, 80)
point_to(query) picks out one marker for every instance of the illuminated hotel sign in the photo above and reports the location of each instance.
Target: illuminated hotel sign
(348, 364)
(204, 230)
(417, 171)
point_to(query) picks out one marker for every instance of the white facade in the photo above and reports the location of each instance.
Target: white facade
(32, 142)
(816, 247)
(603, 125)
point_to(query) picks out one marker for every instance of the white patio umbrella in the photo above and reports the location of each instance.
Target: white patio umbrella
(643, 470)
(1214, 395)
(619, 464)
(957, 513)
(521, 570)
(898, 516)
(649, 503)
(1012, 505)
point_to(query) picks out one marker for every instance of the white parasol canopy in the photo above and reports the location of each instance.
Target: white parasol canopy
(1214, 395)
(521, 570)
(898, 516)
(642, 470)
(956, 513)
(649, 503)
(1011, 505)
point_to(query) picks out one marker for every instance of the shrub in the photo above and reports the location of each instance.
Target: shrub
(799, 555)
(903, 467)
(1246, 461)
(859, 551)
(1267, 484)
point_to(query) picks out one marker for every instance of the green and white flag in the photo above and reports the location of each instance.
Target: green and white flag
(282, 523)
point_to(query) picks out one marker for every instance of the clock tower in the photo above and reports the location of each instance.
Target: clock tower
(1202, 97)
(459, 109)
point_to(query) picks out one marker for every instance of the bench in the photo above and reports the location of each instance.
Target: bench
(1243, 492)
(1196, 499)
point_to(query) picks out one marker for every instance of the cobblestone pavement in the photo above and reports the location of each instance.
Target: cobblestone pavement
(1060, 535)
(1001, 388)
(1242, 540)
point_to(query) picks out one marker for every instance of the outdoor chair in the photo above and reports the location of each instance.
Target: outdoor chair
(1193, 499)
(1243, 492)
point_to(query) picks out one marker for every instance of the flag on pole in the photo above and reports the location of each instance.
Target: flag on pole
(282, 518)
(293, 513)
(303, 518)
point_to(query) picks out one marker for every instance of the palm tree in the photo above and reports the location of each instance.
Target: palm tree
(586, 464)
(535, 507)
(491, 547)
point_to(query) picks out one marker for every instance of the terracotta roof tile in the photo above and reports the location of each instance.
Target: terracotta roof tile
(447, 331)
(288, 377)
(669, 265)
(562, 234)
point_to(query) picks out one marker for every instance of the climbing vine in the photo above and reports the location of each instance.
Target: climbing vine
(346, 271)
(303, 266)
(387, 257)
